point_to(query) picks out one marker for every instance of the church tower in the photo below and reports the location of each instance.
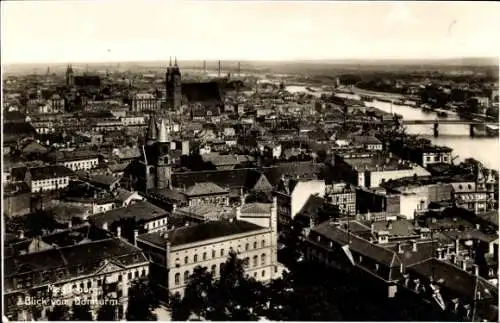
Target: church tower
(164, 163)
(69, 75)
(173, 83)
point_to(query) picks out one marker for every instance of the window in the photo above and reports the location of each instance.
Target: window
(255, 274)
(186, 260)
(186, 277)
(222, 252)
(129, 276)
(195, 258)
(143, 273)
(247, 246)
(263, 273)
(213, 253)
(204, 256)
(136, 274)
(255, 261)
(263, 243)
(119, 278)
(246, 262)
(89, 285)
(213, 269)
(177, 279)
(255, 245)
(263, 259)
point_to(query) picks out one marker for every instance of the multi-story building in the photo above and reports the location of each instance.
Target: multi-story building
(344, 196)
(75, 160)
(145, 102)
(44, 178)
(397, 259)
(292, 194)
(148, 217)
(176, 253)
(420, 151)
(371, 170)
(72, 274)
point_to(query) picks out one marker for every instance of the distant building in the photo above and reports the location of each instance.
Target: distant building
(342, 195)
(45, 178)
(371, 170)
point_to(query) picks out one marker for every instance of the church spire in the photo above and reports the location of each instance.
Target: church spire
(152, 133)
(163, 133)
(175, 64)
(170, 62)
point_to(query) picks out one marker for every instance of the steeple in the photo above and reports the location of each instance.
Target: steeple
(170, 62)
(175, 63)
(152, 133)
(163, 136)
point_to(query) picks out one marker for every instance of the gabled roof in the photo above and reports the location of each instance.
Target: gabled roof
(49, 172)
(454, 279)
(256, 208)
(205, 189)
(54, 265)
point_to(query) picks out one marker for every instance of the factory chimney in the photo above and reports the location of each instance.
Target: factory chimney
(220, 68)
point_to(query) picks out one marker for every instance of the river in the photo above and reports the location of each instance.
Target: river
(484, 149)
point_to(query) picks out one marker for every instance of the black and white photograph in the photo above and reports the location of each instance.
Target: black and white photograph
(230, 160)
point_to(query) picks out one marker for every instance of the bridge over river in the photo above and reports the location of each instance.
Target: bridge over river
(473, 124)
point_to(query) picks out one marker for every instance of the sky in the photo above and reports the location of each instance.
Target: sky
(141, 30)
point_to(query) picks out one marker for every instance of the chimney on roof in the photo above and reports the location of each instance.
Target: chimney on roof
(105, 226)
(476, 270)
(389, 225)
(118, 232)
(70, 224)
(457, 247)
(400, 248)
(464, 265)
(478, 226)
(372, 228)
(414, 247)
(21, 234)
(136, 234)
(174, 207)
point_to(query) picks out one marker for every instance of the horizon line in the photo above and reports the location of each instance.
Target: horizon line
(496, 58)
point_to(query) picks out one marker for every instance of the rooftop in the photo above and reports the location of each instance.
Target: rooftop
(200, 232)
(141, 211)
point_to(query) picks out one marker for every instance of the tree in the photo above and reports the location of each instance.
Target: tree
(58, 313)
(81, 313)
(232, 297)
(106, 312)
(141, 302)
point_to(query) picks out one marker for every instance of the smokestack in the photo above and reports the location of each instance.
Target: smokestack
(136, 234)
(118, 232)
(205, 67)
(220, 68)
(239, 69)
